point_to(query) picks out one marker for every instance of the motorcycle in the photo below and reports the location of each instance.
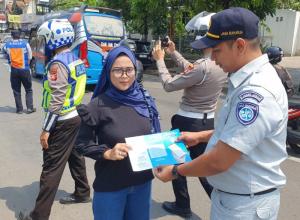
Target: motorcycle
(293, 129)
(275, 55)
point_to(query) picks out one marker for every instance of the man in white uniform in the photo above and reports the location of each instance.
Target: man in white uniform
(244, 152)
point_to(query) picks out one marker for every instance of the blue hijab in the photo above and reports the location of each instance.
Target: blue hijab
(135, 96)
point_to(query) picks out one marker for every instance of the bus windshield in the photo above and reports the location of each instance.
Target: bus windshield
(104, 26)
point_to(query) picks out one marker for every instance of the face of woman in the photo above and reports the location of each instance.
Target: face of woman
(122, 73)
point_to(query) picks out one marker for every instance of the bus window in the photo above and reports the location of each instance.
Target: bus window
(104, 26)
(41, 45)
(41, 58)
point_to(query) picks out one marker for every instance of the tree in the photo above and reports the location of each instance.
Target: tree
(148, 14)
(66, 4)
(261, 8)
(289, 4)
(170, 16)
(124, 5)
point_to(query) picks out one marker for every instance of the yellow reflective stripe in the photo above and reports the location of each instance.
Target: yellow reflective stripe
(47, 95)
(78, 93)
(80, 89)
(67, 99)
(212, 35)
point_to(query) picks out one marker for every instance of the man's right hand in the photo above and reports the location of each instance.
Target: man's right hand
(193, 138)
(44, 139)
(189, 138)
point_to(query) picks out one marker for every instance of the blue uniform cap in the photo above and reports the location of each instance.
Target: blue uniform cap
(227, 25)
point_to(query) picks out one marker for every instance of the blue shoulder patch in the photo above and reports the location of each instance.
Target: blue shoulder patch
(249, 94)
(247, 112)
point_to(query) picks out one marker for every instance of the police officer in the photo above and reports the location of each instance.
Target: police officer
(275, 55)
(64, 87)
(202, 83)
(244, 152)
(19, 56)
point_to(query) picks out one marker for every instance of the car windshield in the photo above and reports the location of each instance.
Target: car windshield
(143, 47)
(104, 26)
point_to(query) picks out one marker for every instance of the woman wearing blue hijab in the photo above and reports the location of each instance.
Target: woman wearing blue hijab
(119, 108)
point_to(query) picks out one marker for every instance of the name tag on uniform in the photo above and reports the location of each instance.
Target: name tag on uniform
(80, 70)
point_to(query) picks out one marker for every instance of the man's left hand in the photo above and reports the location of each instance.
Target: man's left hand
(164, 173)
(158, 53)
(44, 139)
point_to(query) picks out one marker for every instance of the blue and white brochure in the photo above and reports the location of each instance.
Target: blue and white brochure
(150, 151)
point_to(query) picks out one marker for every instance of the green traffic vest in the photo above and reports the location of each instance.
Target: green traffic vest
(76, 86)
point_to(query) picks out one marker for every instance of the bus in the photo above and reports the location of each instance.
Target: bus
(97, 30)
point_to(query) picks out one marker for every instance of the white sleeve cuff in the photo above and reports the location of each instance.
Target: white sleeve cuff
(50, 121)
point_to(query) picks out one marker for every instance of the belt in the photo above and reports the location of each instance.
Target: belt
(197, 115)
(69, 115)
(251, 194)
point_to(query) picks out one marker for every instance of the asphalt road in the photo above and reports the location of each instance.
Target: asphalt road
(21, 160)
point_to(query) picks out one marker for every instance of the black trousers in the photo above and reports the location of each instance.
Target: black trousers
(18, 77)
(60, 151)
(180, 184)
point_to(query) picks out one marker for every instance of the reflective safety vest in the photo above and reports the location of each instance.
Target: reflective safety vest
(76, 78)
(18, 55)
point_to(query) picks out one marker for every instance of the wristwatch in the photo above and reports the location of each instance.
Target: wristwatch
(175, 173)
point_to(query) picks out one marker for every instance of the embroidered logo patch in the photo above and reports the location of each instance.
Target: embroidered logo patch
(249, 94)
(246, 112)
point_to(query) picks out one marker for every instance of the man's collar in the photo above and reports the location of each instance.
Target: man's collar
(242, 74)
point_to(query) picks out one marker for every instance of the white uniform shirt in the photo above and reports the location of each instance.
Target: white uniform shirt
(253, 120)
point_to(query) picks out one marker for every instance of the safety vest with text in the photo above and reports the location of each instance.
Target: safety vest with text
(76, 79)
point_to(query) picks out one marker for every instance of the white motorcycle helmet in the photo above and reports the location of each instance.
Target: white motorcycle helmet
(57, 32)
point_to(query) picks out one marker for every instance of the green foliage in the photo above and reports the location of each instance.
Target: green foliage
(170, 16)
(66, 4)
(121, 4)
(260, 7)
(289, 4)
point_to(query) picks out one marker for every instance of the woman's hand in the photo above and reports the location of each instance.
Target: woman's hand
(171, 47)
(118, 152)
(158, 53)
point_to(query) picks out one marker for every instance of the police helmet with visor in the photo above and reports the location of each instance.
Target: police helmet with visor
(229, 24)
(57, 32)
(275, 54)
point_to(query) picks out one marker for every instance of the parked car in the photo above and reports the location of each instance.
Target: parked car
(143, 53)
(3, 42)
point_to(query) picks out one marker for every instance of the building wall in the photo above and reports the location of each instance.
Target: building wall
(284, 26)
(297, 36)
